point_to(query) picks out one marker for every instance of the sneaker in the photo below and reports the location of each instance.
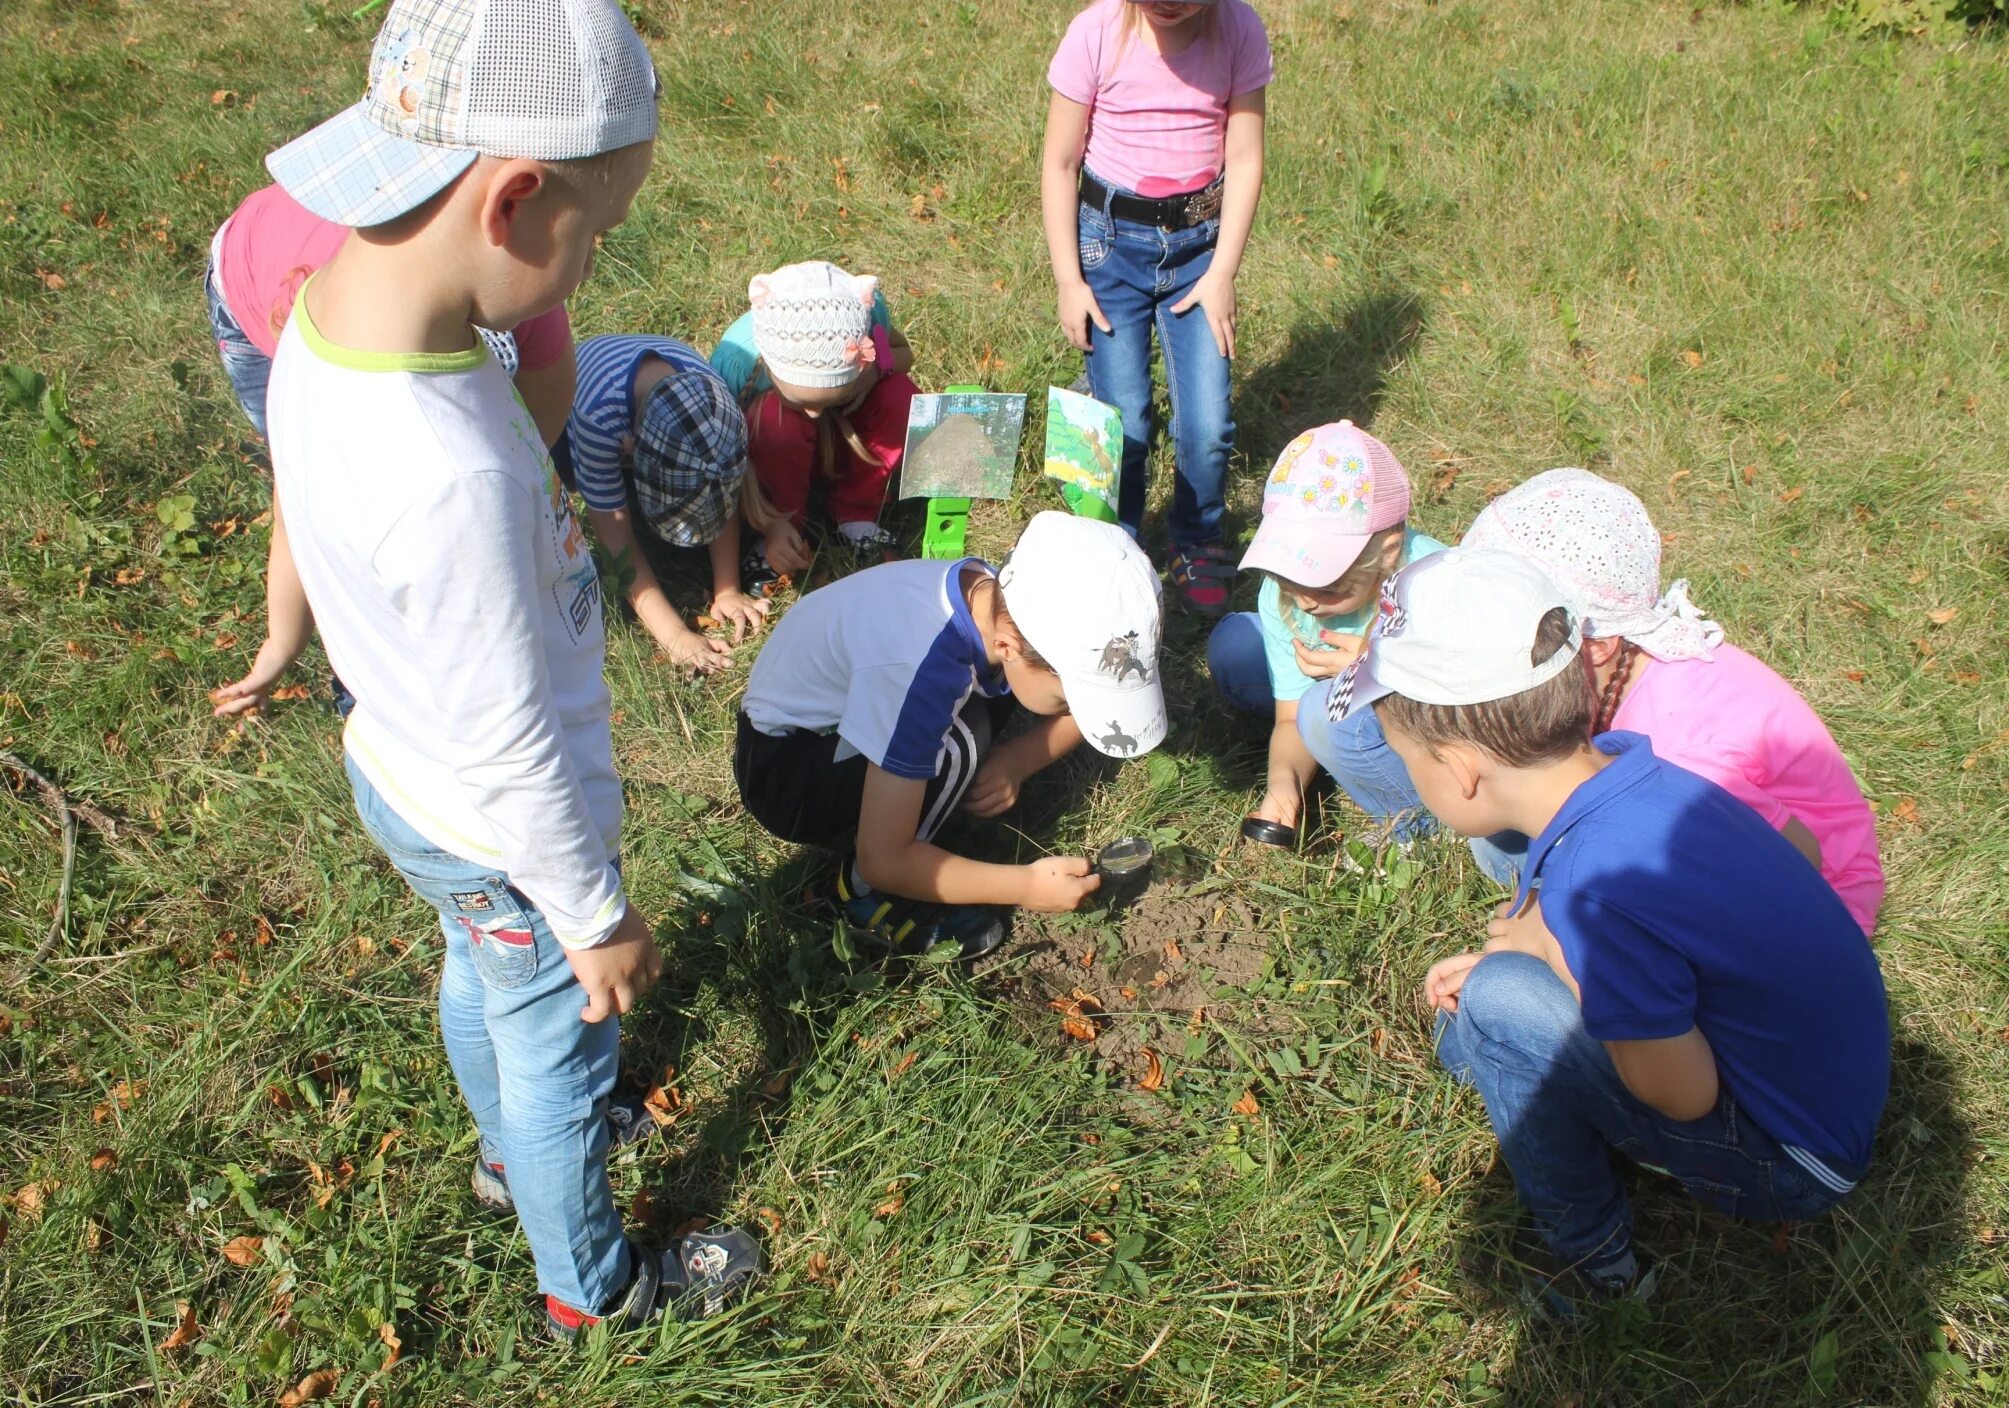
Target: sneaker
(912, 928)
(756, 578)
(1201, 574)
(628, 1123)
(701, 1275)
(1564, 1290)
(869, 543)
(491, 1188)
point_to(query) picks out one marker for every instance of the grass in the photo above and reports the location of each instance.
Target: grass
(1746, 262)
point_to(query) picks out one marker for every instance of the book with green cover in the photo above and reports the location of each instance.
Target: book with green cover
(1084, 450)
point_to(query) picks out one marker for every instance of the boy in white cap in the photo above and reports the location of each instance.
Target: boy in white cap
(872, 711)
(1335, 527)
(822, 373)
(1672, 981)
(456, 596)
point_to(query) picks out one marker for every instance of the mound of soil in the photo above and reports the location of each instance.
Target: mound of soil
(1173, 956)
(956, 458)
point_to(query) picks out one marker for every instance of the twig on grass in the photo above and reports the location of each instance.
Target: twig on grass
(67, 814)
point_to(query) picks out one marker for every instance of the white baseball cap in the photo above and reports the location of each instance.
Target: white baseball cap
(1457, 627)
(1087, 599)
(552, 80)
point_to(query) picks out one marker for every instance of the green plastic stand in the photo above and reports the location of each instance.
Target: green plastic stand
(948, 528)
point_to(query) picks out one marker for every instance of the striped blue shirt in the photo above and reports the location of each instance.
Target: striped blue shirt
(603, 408)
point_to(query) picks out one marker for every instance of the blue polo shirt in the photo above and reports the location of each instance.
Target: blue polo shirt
(1677, 906)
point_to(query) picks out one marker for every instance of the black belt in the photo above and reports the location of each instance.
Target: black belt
(1170, 212)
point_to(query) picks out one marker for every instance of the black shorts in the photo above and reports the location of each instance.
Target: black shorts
(796, 787)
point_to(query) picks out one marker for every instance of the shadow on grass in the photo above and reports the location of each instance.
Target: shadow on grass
(1330, 369)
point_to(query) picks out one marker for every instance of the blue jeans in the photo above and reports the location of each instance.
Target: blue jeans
(1501, 856)
(1137, 272)
(534, 1076)
(1355, 751)
(1559, 1109)
(248, 369)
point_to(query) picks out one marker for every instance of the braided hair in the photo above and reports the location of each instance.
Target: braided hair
(1614, 688)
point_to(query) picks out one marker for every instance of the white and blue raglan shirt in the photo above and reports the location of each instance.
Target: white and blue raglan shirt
(603, 408)
(884, 658)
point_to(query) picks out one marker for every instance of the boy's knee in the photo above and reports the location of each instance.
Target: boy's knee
(1517, 1000)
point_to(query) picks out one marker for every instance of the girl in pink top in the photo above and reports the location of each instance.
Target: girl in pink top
(265, 251)
(1662, 669)
(1149, 183)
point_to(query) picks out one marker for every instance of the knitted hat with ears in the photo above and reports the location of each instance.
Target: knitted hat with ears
(812, 323)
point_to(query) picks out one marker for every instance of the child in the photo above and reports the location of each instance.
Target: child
(658, 447)
(1671, 983)
(270, 244)
(822, 373)
(1152, 169)
(456, 595)
(1662, 669)
(873, 706)
(1334, 528)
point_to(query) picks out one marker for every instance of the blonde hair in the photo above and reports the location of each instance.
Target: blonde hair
(830, 426)
(755, 509)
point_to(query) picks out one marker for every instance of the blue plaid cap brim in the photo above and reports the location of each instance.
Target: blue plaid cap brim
(690, 456)
(352, 172)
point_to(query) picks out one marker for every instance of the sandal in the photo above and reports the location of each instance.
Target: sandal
(1202, 574)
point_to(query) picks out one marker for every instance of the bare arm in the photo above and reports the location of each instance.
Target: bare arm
(653, 607)
(1241, 189)
(288, 623)
(1675, 1075)
(1291, 768)
(893, 858)
(995, 788)
(1059, 200)
(547, 392)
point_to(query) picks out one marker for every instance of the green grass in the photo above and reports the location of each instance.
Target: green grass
(1745, 262)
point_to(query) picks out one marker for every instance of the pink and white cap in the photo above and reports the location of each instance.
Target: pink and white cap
(1333, 488)
(1457, 627)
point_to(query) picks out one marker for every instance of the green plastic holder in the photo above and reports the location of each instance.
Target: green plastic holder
(948, 527)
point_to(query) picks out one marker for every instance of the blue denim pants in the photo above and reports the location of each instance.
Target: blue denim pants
(1137, 272)
(1559, 1109)
(535, 1077)
(1355, 751)
(249, 370)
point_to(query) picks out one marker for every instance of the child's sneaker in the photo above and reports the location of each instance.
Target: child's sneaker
(1202, 574)
(491, 1188)
(757, 578)
(1564, 1291)
(912, 927)
(869, 543)
(628, 1123)
(701, 1275)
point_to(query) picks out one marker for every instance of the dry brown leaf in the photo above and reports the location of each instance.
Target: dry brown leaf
(642, 1210)
(33, 1195)
(1791, 495)
(901, 1068)
(312, 1389)
(1377, 1041)
(1087, 959)
(819, 1266)
(396, 1346)
(244, 1251)
(771, 1220)
(1080, 1028)
(1750, 473)
(103, 1161)
(187, 1332)
(1154, 1071)
(223, 97)
(1431, 1183)
(384, 1144)
(1692, 357)
(664, 1101)
(1129, 994)
(1160, 978)
(52, 280)
(94, 1236)
(128, 576)
(1247, 1106)
(1100, 1238)
(1854, 676)
(1905, 813)
(1942, 616)
(1172, 954)
(776, 1084)
(264, 936)
(290, 692)
(891, 1207)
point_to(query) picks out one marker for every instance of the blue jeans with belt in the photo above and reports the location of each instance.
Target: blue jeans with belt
(249, 370)
(1559, 1109)
(535, 1077)
(1137, 272)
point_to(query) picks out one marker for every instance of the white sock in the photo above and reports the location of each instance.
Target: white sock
(860, 531)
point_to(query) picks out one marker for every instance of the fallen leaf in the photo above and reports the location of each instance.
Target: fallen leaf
(900, 1069)
(771, 1220)
(1692, 357)
(1942, 616)
(642, 1209)
(312, 1389)
(1377, 1041)
(1172, 954)
(1791, 495)
(223, 97)
(1154, 1071)
(384, 1144)
(391, 1341)
(33, 1196)
(776, 1084)
(103, 1161)
(1431, 1183)
(664, 1102)
(1247, 1106)
(1905, 813)
(891, 1207)
(1750, 473)
(289, 693)
(94, 1236)
(1100, 1238)
(187, 1332)
(818, 1268)
(244, 1251)
(1160, 978)
(52, 280)
(1080, 1028)
(707, 623)
(1087, 959)
(1854, 676)
(128, 576)
(1129, 994)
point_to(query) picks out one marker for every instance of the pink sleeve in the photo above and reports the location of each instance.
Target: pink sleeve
(544, 340)
(1073, 72)
(1253, 67)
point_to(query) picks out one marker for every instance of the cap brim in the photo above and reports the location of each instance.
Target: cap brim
(1318, 562)
(1118, 722)
(1355, 688)
(352, 172)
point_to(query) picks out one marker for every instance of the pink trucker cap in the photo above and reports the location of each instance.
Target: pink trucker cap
(1332, 489)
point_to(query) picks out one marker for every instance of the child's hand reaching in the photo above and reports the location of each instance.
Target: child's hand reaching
(740, 611)
(994, 790)
(1078, 309)
(1447, 978)
(1059, 883)
(691, 651)
(785, 549)
(1324, 664)
(253, 693)
(1215, 296)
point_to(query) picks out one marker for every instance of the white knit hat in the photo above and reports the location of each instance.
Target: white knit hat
(1594, 539)
(812, 323)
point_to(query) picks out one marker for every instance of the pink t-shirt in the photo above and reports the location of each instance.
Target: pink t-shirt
(272, 243)
(1156, 125)
(1733, 720)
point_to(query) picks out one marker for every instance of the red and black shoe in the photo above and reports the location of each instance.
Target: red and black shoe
(703, 1274)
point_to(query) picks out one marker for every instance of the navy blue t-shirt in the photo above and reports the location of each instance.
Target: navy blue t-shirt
(1677, 906)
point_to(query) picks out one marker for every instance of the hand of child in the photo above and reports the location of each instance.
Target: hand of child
(785, 549)
(1215, 295)
(1078, 309)
(740, 610)
(1324, 664)
(1522, 932)
(1283, 809)
(1447, 978)
(1059, 883)
(251, 694)
(700, 654)
(616, 973)
(994, 791)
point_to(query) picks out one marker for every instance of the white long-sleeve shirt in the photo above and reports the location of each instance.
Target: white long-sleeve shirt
(458, 601)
